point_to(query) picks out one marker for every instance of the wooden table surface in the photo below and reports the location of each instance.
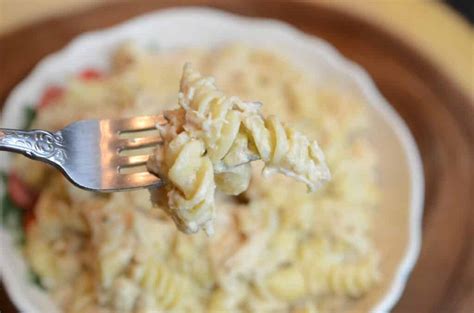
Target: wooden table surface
(420, 53)
(430, 26)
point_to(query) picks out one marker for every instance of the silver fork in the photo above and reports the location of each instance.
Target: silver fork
(88, 151)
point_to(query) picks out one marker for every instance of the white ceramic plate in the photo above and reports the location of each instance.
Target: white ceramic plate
(401, 176)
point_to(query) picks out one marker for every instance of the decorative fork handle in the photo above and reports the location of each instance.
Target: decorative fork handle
(36, 144)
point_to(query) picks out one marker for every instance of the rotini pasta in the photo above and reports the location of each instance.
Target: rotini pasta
(325, 272)
(217, 134)
(353, 280)
(167, 288)
(190, 183)
(287, 284)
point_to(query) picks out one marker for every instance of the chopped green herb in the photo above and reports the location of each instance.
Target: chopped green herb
(35, 279)
(30, 114)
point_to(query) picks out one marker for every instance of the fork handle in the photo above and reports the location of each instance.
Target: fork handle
(36, 144)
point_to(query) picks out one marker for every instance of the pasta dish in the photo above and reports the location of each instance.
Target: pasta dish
(276, 247)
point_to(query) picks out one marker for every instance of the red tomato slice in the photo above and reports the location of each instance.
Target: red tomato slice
(90, 74)
(51, 94)
(21, 195)
(29, 219)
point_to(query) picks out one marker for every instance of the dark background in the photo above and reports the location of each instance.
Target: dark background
(465, 7)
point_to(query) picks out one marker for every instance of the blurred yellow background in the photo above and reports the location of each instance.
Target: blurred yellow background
(431, 26)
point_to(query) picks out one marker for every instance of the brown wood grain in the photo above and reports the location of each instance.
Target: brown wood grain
(439, 115)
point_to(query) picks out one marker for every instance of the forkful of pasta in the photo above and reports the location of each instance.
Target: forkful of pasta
(206, 143)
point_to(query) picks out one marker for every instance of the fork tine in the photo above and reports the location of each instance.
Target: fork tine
(139, 123)
(136, 143)
(128, 161)
(134, 180)
(92, 158)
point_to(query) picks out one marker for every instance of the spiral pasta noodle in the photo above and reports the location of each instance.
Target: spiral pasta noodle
(285, 150)
(287, 284)
(190, 183)
(325, 272)
(167, 287)
(353, 280)
(214, 134)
